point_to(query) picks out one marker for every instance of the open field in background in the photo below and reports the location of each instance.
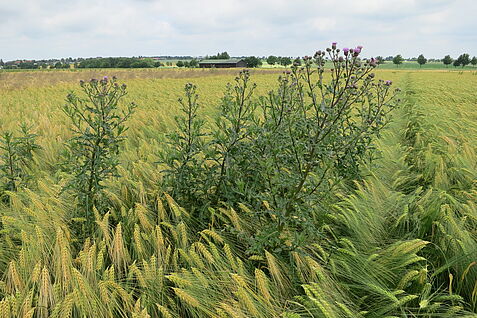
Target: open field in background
(34, 78)
(412, 65)
(38, 97)
(407, 233)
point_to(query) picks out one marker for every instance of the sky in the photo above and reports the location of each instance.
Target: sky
(42, 29)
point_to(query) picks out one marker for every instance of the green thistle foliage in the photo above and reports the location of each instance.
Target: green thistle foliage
(185, 176)
(98, 126)
(282, 154)
(17, 153)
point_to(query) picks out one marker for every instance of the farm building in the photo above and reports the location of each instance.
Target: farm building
(222, 63)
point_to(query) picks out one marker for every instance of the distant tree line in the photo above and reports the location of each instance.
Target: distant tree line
(192, 63)
(119, 62)
(38, 64)
(463, 60)
(279, 60)
(187, 61)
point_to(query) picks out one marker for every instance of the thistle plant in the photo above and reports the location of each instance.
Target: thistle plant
(283, 153)
(98, 125)
(16, 157)
(233, 129)
(186, 173)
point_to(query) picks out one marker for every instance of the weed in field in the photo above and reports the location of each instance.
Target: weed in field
(98, 127)
(281, 156)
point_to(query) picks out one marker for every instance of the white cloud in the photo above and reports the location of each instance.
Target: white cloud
(60, 28)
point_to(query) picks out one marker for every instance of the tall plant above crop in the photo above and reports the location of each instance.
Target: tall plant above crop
(16, 156)
(183, 154)
(283, 153)
(98, 126)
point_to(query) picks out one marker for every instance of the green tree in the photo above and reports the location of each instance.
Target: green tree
(220, 56)
(285, 61)
(474, 61)
(193, 63)
(398, 59)
(447, 60)
(421, 60)
(464, 59)
(140, 64)
(380, 59)
(253, 61)
(180, 64)
(456, 63)
(224, 56)
(272, 60)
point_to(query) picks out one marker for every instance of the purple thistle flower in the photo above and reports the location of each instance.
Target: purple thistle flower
(333, 45)
(357, 50)
(360, 47)
(105, 78)
(388, 83)
(346, 51)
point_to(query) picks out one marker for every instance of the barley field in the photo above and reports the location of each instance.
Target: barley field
(400, 241)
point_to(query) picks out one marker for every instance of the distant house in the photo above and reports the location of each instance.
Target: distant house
(222, 63)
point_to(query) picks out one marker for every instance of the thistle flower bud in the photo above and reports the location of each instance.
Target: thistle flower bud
(81, 82)
(333, 45)
(388, 83)
(328, 50)
(341, 59)
(372, 62)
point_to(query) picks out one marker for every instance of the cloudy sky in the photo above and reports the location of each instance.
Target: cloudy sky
(35, 29)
